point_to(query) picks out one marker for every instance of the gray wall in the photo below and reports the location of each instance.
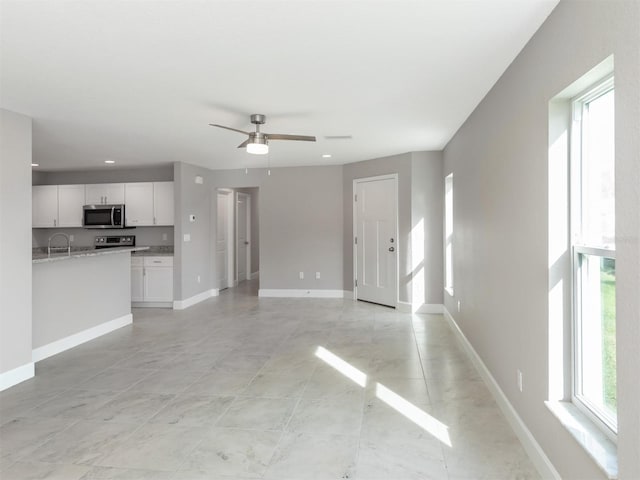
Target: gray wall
(65, 291)
(300, 226)
(159, 173)
(499, 161)
(427, 195)
(15, 251)
(145, 236)
(255, 226)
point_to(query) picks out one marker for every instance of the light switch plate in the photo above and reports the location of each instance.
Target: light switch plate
(187, 237)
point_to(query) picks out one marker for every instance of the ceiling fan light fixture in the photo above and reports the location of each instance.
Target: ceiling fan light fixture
(257, 148)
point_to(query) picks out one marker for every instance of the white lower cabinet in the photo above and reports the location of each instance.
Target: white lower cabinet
(152, 279)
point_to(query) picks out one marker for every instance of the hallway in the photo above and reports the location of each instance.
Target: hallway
(243, 387)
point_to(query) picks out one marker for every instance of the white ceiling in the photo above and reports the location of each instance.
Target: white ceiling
(138, 81)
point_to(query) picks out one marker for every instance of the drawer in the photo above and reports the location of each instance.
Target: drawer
(164, 261)
(136, 261)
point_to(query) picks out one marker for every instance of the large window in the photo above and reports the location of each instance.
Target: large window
(593, 245)
(448, 233)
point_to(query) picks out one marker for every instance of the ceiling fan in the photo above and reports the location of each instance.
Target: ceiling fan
(258, 142)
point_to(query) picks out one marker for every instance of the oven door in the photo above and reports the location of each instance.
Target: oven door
(103, 216)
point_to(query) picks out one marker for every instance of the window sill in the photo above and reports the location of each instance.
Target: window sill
(599, 447)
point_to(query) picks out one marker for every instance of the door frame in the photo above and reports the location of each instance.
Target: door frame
(248, 230)
(354, 211)
(230, 238)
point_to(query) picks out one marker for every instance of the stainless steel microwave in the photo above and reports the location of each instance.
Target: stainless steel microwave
(103, 216)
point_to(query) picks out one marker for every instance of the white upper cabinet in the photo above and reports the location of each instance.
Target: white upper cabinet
(146, 203)
(104, 194)
(163, 203)
(70, 203)
(138, 199)
(44, 206)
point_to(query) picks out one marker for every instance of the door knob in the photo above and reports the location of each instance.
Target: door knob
(391, 249)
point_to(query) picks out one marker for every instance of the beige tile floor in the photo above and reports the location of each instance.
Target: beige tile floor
(240, 388)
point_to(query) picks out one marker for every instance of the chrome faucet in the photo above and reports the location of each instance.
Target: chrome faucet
(68, 247)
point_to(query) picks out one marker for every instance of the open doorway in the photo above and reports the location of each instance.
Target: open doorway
(237, 237)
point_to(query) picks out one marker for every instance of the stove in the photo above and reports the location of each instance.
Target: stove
(110, 241)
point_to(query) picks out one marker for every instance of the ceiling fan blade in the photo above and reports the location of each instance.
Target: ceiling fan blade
(229, 128)
(244, 144)
(279, 136)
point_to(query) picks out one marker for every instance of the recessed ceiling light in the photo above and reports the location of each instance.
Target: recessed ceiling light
(35, 164)
(110, 161)
(326, 155)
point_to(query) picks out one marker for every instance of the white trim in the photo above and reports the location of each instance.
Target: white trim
(152, 304)
(76, 339)
(254, 275)
(532, 447)
(19, 374)
(247, 200)
(299, 293)
(406, 307)
(200, 297)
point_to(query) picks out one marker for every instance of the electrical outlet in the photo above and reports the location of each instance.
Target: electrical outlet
(317, 275)
(519, 379)
(459, 306)
(187, 237)
(71, 238)
(301, 275)
(164, 237)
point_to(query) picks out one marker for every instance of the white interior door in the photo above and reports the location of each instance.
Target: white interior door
(376, 246)
(242, 235)
(222, 240)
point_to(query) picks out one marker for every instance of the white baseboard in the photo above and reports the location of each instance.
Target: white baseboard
(254, 275)
(300, 293)
(406, 307)
(19, 374)
(532, 447)
(200, 297)
(152, 304)
(76, 339)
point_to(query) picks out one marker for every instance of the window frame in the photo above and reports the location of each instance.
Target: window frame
(579, 249)
(448, 215)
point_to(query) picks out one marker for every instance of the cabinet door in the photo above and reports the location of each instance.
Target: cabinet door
(158, 284)
(94, 194)
(137, 283)
(70, 203)
(138, 199)
(44, 205)
(163, 203)
(104, 193)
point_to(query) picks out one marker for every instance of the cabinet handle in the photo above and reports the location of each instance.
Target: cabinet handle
(55, 223)
(154, 220)
(144, 272)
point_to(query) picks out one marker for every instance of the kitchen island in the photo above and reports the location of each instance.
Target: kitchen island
(79, 296)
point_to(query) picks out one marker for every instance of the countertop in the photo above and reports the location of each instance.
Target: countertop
(79, 252)
(156, 251)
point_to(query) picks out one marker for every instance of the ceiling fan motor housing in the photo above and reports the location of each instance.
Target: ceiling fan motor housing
(258, 137)
(258, 119)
